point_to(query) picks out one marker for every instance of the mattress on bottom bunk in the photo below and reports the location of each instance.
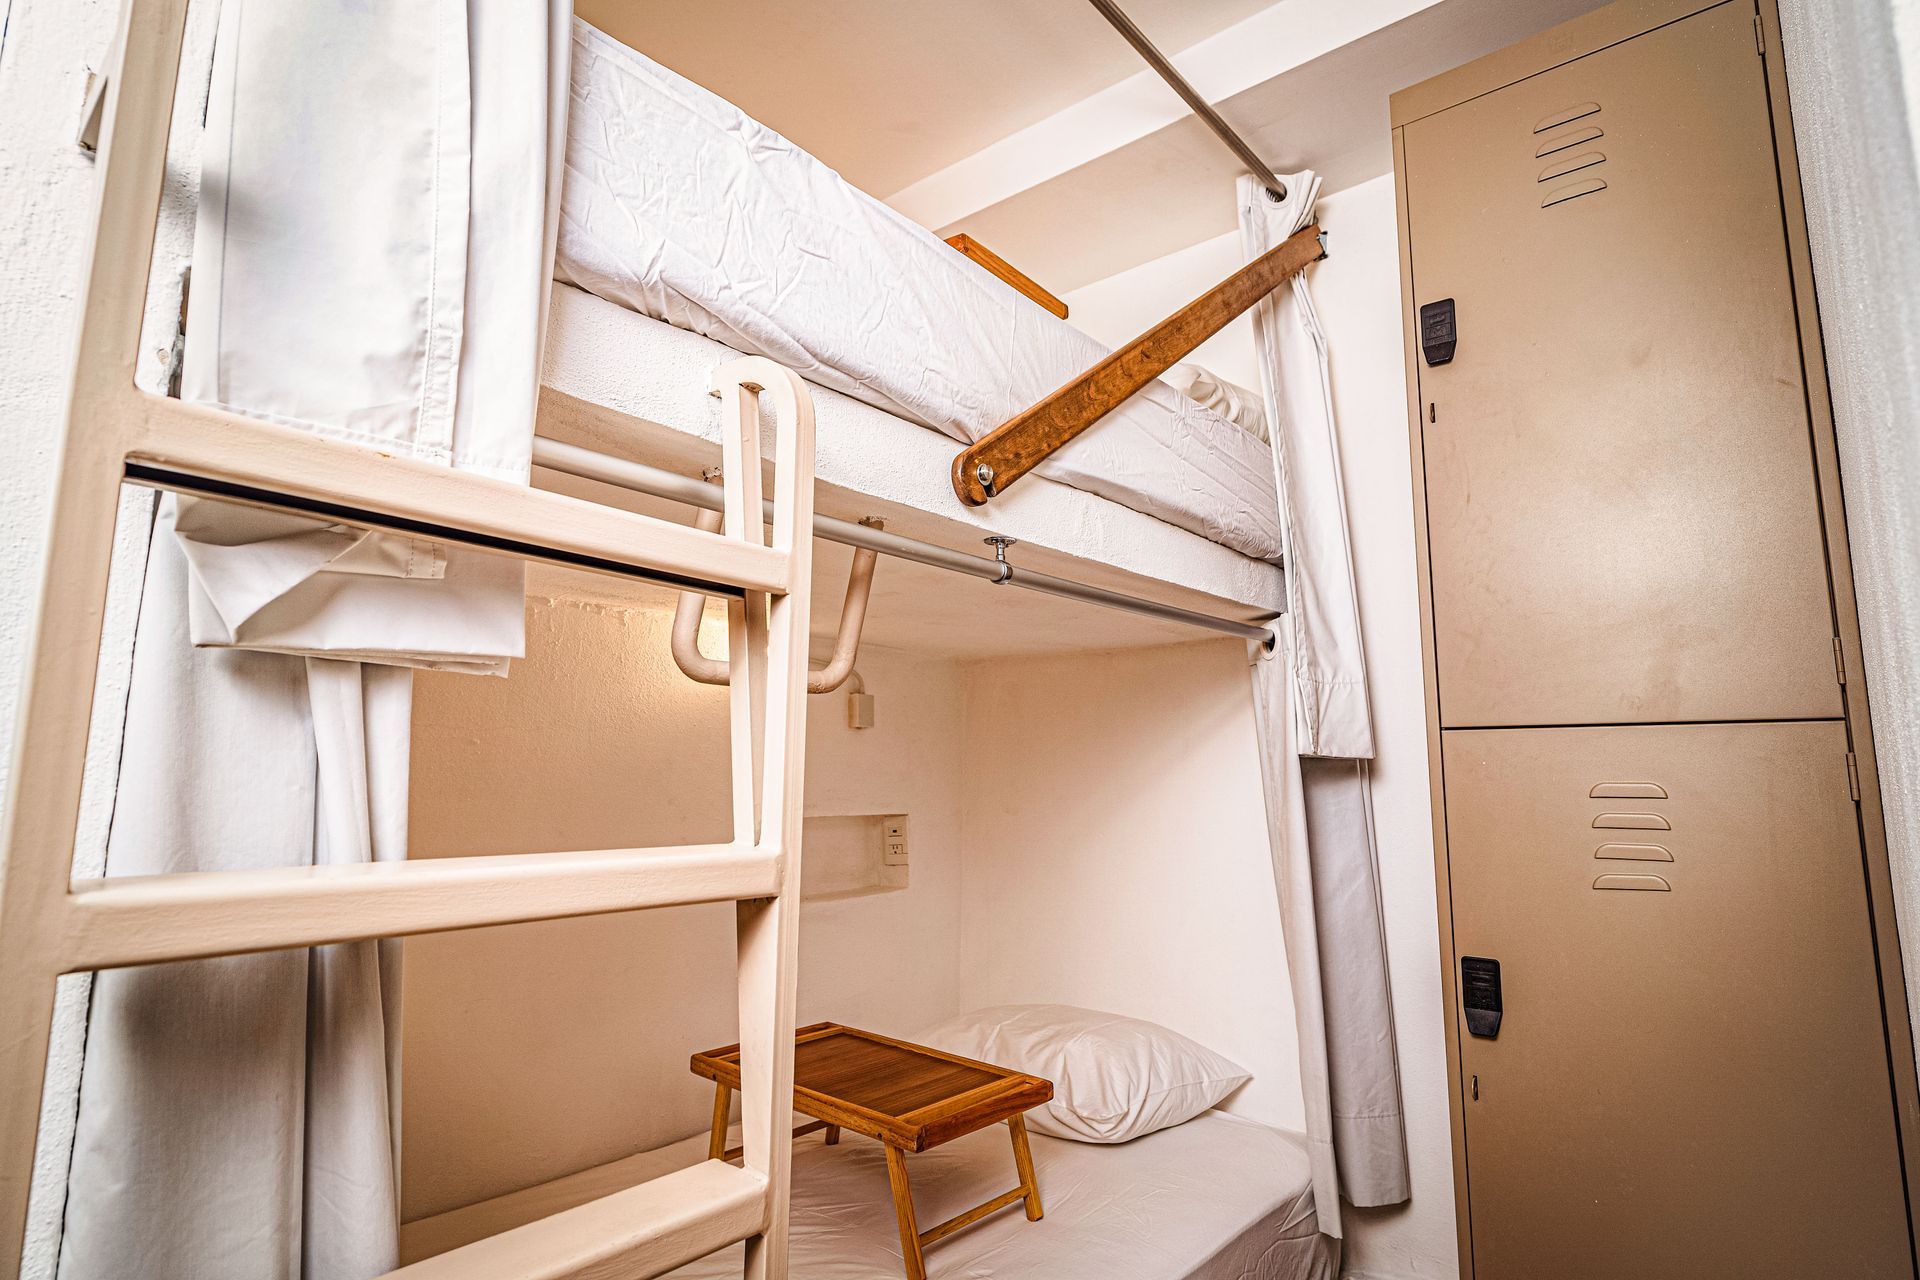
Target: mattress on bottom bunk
(679, 206)
(1216, 1198)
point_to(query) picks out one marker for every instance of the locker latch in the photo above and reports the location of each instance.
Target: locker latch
(1438, 335)
(1480, 993)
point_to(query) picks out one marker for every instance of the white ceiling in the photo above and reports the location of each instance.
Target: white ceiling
(889, 91)
(1102, 209)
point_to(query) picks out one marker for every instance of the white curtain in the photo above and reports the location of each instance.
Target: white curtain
(1311, 709)
(374, 240)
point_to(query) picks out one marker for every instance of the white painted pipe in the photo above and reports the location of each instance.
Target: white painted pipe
(846, 641)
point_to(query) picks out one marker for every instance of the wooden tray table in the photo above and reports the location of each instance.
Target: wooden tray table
(907, 1097)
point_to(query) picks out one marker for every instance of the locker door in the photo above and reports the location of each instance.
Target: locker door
(1621, 498)
(1689, 1077)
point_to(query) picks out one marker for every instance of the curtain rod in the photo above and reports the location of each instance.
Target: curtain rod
(1201, 107)
(640, 478)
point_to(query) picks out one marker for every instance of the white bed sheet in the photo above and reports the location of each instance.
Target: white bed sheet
(680, 207)
(1217, 1198)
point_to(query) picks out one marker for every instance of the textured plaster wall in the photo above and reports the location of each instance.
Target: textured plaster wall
(47, 185)
(536, 1050)
(1357, 290)
(1853, 74)
(1117, 854)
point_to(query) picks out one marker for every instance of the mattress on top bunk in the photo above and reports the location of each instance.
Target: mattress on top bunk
(614, 378)
(682, 208)
(1216, 1198)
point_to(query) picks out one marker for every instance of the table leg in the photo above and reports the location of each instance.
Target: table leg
(833, 1135)
(903, 1208)
(722, 1104)
(1023, 1163)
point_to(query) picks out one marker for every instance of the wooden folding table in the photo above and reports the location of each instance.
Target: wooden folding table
(907, 1097)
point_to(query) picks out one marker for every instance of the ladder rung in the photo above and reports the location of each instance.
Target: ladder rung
(643, 1231)
(125, 920)
(233, 452)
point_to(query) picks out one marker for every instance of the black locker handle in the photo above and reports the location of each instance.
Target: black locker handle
(1480, 995)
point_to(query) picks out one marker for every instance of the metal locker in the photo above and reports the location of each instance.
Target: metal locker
(1677, 1026)
(1624, 419)
(1689, 1077)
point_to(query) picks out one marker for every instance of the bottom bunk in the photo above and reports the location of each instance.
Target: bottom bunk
(1076, 800)
(1216, 1198)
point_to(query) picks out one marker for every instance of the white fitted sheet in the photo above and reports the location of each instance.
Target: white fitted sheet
(1216, 1198)
(680, 207)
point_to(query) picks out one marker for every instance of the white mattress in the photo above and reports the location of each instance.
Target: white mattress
(1217, 1198)
(682, 208)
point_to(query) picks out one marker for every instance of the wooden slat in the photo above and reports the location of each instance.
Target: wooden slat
(1025, 440)
(973, 1215)
(643, 1231)
(799, 1131)
(127, 920)
(212, 445)
(999, 266)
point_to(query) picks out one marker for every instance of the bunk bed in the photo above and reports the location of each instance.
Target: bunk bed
(1167, 508)
(690, 233)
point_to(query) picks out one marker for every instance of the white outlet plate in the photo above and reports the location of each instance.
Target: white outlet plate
(893, 840)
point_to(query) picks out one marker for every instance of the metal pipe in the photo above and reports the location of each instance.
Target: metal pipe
(1201, 107)
(695, 665)
(640, 478)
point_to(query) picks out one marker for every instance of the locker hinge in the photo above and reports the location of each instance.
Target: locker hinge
(1853, 776)
(1759, 37)
(1839, 661)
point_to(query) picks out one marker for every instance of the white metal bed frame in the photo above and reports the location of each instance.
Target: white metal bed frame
(51, 924)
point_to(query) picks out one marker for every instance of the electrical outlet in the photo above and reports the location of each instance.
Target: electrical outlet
(893, 840)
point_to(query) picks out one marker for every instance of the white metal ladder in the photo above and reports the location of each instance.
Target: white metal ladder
(50, 925)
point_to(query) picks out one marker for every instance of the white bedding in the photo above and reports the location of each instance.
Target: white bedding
(682, 208)
(1216, 1198)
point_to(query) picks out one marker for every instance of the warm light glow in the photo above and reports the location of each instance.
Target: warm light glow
(712, 640)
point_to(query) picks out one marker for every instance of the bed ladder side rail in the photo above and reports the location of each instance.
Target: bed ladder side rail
(990, 465)
(114, 432)
(643, 1230)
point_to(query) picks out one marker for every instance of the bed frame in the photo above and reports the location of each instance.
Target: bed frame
(51, 925)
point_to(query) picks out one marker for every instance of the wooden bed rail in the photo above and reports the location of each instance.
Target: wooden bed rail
(990, 465)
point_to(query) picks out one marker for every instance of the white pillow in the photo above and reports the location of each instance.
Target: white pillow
(1114, 1078)
(1243, 408)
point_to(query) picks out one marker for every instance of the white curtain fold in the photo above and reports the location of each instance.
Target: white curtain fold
(371, 261)
(1312, 714)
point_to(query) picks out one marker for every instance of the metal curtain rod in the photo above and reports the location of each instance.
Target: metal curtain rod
(640, 478)
(1201, 107)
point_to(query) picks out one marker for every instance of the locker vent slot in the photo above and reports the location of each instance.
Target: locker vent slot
(1645, 884)
(1571, 164)
(1568, 116)
(1628, 791)
(1634, 852)
(1573, 190)
(1633, 822)
(1567, 164)
(1572, 138)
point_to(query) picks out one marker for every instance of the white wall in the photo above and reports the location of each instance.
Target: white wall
(47, 185)
(1854, 80)
(1121, 308)
(1357, 289)
(535, 1050)
(1117, 855)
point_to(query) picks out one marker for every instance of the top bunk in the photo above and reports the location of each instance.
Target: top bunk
(690, 234)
